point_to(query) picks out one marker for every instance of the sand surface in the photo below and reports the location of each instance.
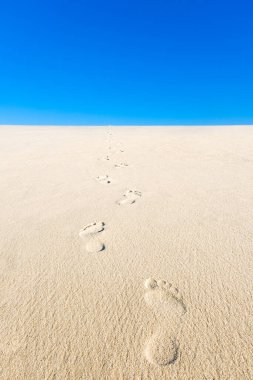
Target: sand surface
(126, 253)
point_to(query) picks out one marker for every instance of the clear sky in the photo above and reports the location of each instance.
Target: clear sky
(126, 62)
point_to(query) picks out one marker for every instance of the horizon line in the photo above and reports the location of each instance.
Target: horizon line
(125, 125)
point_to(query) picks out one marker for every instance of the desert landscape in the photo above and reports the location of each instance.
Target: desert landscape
(126, 253)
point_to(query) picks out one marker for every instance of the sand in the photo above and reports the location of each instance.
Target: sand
(126, 253)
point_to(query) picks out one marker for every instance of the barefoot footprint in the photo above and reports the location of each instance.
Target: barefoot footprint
(129, 197)
(88, 233)
(104, 179)
(165, 300)
(121, 165)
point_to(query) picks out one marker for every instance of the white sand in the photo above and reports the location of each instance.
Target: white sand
(172, 204)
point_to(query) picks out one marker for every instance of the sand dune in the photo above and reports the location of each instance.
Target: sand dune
(126, 253)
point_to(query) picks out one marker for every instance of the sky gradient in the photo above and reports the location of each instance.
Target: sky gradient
(126, 62)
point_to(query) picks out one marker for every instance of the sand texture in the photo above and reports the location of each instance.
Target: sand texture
(126, 253)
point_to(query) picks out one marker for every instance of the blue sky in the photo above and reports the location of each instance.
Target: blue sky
(126, 62)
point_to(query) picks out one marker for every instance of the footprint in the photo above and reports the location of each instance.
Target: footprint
(94, 245)
(91, 229)
(88, 233)
(163, 348)
(129, 197)
(104, 179)
(121, 165)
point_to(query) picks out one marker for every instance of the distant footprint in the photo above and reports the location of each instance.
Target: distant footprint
(162, 348)
(104, 179)
(88, 233)
(91, 229)
(129, 197)
(121, 165)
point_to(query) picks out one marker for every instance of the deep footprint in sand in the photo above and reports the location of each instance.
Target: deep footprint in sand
(163, 347)
(104, 179)
(129, 197)
(89, 234)
(121, 165)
